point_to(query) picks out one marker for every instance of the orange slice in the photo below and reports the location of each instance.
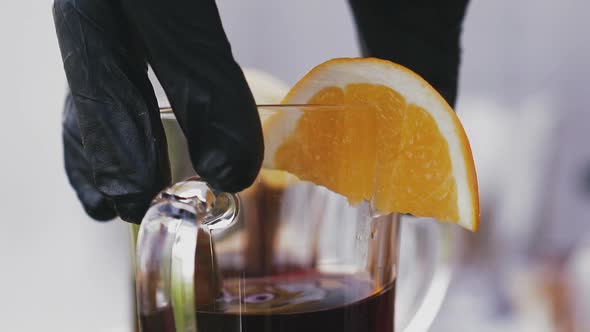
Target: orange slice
(394, 141)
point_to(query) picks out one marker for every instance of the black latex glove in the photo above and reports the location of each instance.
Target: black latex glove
(114, 143)
(423, 35)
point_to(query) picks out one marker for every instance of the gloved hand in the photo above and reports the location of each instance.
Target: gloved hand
(423, 35)
(114, 143)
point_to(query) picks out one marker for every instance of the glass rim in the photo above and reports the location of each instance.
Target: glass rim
(168, 109)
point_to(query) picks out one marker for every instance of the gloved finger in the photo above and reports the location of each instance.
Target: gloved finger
(78, 170)
(421, 35)
(117, 111)
(191, 56)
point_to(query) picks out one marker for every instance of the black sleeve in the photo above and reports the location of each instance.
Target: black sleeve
(423, 35)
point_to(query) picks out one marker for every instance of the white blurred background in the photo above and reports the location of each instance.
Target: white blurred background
(523, 98)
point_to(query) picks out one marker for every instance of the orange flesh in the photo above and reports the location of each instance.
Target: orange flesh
(379, 148)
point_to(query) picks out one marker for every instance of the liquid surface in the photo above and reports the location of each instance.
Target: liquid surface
(306, 302)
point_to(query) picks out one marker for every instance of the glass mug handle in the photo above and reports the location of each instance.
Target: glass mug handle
(176, 227)
(167, 250)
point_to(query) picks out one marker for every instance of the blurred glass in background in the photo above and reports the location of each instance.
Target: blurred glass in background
(523, 99)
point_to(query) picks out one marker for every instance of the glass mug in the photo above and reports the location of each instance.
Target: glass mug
(282, 255)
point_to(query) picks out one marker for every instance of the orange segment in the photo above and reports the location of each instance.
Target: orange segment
(419, 179)
(325, 139)
(394, 141)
